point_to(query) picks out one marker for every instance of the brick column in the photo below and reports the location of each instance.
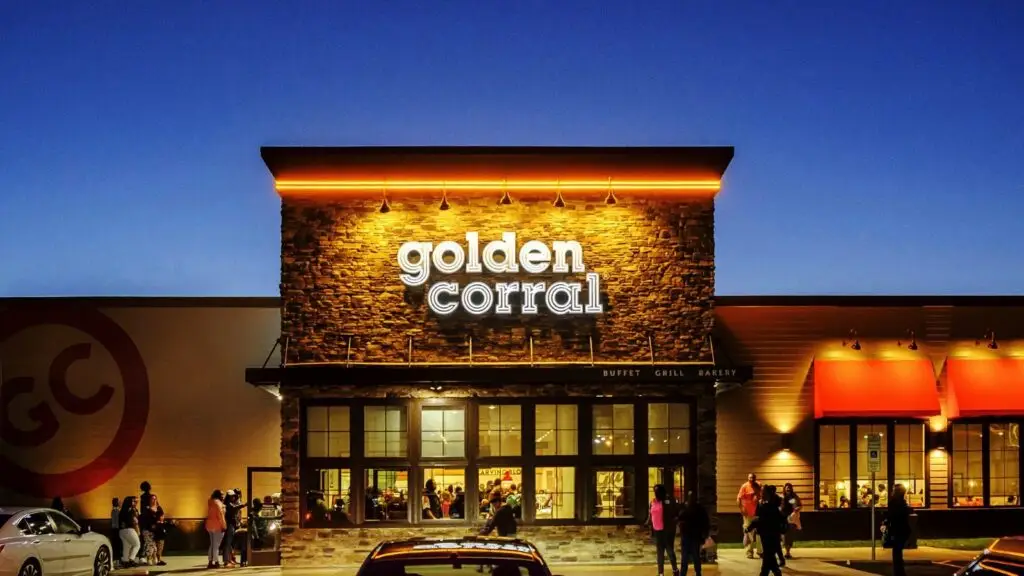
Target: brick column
(707, 453)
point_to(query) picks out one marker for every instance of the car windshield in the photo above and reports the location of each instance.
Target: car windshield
(447, 568)
(3, 519)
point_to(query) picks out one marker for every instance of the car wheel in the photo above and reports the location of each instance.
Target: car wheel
(101, 567)
(30, 568)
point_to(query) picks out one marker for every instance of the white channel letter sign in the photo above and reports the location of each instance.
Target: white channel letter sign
(418, 259)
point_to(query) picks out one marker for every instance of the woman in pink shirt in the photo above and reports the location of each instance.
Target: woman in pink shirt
(662, 521)
(216, 524)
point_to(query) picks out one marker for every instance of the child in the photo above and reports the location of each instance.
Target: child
(160, 537)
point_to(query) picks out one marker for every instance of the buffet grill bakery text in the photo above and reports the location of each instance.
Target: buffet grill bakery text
(418, 260)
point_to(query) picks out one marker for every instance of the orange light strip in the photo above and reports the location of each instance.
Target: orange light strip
(588, 185)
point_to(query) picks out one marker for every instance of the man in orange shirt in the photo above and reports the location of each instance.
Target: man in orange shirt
(748, 497)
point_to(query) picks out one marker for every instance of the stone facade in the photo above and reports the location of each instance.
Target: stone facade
(339, 277)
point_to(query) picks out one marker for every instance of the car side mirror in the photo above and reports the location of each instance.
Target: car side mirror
(85, 529)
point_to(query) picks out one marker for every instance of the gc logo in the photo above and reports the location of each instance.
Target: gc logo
(47, 422)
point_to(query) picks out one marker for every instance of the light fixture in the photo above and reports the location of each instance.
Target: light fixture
(912, 345)
(852, 340)
(989, 335)
(384, 206)
(559, 202)
(786, 441)
(444, 200)
(610, 199)
(505, 198)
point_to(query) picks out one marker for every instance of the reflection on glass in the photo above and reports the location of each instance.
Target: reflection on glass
(968, 478)
(556, 428)
(327, 432)
(1004, 464)
(668, 427)
(865, 489)
(506, 481)
(387, 495)
(386, 432)
(444, 432)
(555, 493)
(613, 429)
(614, 494)
(441, 487)
(676, 489)
(834, 466)
(328, 498)
(501, 430)
(910, 462)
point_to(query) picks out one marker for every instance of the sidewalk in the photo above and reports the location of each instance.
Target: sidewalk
(807, 562)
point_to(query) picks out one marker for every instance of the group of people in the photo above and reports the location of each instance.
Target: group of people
(223, 520)
(139, 529)
(772, 520)
(693, 523)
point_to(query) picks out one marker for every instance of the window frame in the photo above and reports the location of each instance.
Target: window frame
(890, 455)
(985, 423)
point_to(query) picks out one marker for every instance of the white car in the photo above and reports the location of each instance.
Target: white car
(43, 542)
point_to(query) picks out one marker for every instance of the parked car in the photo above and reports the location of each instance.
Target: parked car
(454, 557)
(1005, 557)
(44, 542)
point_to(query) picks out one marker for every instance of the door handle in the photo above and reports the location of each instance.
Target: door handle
(36, 541)
(66, 540)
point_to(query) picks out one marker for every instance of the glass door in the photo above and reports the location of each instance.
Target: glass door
(263, 517)
(673, 478)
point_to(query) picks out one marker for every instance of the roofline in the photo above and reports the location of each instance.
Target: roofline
(720, 301)
(147, 301)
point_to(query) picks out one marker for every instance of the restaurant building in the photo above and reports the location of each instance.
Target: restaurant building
(536, 317)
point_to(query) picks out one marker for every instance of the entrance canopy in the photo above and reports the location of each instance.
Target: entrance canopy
(875, 388)
(985, 387)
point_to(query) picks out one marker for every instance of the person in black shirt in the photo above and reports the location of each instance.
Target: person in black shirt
(695, 526)
(896, 528)
(458, 507)
(233, 518)
(503, 520)
(770, 524)
(431, 502)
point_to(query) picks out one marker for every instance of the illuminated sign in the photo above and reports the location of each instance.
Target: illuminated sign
(418, 259)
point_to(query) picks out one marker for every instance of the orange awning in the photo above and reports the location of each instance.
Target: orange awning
(875, 388)
(985, 387)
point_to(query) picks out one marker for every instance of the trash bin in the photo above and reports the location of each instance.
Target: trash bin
(912, 541)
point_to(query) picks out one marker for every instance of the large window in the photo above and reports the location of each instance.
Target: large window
(833, 466)
(327, 432)
(506, 481)
(866, 489)
(614, 493)
(1004, 464)
(556, 430)
(613, 429)
(968, 472)
(555, 490)
(328, 497)
(443, 431)
(668, 427)
(501, 430)
(387, 495)
(387, 434)
(909, 459)
(440, 488)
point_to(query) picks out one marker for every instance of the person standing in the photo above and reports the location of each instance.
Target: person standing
(128, 530)
(115, 529)
(431, 501)
(147, 523)
(896, 528)
(791, 511)
(769, 523)
(748, 498)
(215, 527)
(160, 536)
(232, 522)
(695, 526)
(661, 520)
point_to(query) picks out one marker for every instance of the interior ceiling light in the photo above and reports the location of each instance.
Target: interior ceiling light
(384, 206)
(444, 200)
(989, 335)
(505, 198)
(559, 202)
(610, 200)
(912, 345)
(854, 342)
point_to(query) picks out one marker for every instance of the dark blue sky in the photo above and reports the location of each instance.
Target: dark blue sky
(879, 144)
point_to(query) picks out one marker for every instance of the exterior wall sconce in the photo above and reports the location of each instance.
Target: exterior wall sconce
(852, 340)
(610, 199)
(912, 345)
(444, 200)
(505, 198)
(937, 439)
(989, 335)
(559, 201)
(384, 206)
(786, 440)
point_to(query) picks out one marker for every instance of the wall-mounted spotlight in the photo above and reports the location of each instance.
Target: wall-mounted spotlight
(786, 441)
(444, 200)
(384, 206)
(852, 340)
(912, 345)
(559, 202)
(989, 335)
(505, 198)
(610, 199)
